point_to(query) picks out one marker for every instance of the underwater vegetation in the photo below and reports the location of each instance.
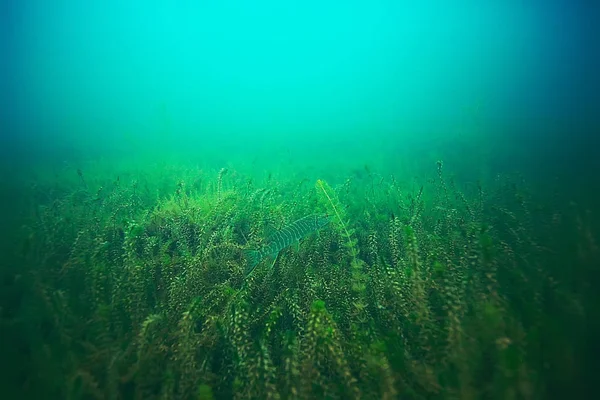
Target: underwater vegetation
(137, 288)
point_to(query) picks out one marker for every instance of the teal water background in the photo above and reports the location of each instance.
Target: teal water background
(486, 85)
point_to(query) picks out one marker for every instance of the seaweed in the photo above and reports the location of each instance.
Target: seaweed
(428, 293)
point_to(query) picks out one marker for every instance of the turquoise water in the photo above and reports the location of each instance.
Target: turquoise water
(234, 81)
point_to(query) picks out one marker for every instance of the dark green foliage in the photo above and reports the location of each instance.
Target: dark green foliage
(414, 294)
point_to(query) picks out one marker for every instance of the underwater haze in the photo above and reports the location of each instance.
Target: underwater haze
(299, 199)
(236, 81)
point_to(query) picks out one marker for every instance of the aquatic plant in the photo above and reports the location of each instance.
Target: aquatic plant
(137, 290)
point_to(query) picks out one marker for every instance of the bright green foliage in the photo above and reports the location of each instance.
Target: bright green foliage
(331, 202)
(137, 291)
